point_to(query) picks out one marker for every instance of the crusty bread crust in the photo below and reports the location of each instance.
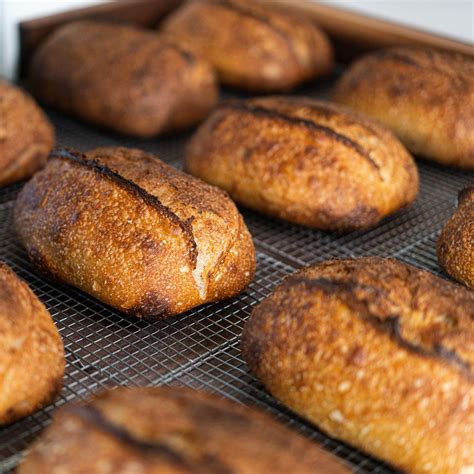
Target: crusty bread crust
(31, 351)
(166, 430)
(455, 246)
(305, 161)
(425, 96)
(251, 45)
(376, 353)
(123, 78)
(134, 232)
(26, 136)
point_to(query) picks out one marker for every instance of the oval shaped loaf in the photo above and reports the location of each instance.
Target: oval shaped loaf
(305, 161)
(171, 430)
(376, 353)
(455, 246)
(424, 96)
(26, 136)
(31, 351)
(251, 45)
(134, 232)
(123, 78)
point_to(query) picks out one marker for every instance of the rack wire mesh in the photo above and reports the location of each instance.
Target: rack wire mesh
(200, 349)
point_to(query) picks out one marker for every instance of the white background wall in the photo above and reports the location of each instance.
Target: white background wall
(450, 17)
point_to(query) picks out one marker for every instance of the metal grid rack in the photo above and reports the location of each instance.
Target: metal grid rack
(200, 349)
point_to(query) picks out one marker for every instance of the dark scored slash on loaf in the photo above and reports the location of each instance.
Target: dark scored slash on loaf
(256, 15)
(429, 61)
(135, 189)
(273, 114)
(388, 324)
(93, 416)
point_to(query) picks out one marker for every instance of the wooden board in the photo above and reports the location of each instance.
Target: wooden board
(352, 33)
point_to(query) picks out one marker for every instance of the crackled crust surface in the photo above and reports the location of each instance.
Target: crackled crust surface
(455, 246)
(376, 353)
(305, 161)
(169, 430)
(31, 351)
(398, 86)
(251, 45)
(121, 77)
(26, 136)
(134, 232)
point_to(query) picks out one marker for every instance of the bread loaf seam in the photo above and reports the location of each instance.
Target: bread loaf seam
(339, 137)
(457, 79)
(263, 19)
(389, 325)
(136, 190)
(96, 418)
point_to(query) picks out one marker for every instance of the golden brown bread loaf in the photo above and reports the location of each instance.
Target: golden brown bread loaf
(31, 351)
(167, 430)
(305, 161)
(134, 232)
(378, 354)
(123, 78)
(26, 136)
(251, 45)
(425, 96)
(456, 243)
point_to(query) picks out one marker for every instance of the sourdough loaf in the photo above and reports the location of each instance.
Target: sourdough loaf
(166, 430)
(122, 77)
(376, 353)
(134, 232)
(26, 136)
(252, 46)
(455, 245)
(31, 351)
(424, 96)
(305, 161)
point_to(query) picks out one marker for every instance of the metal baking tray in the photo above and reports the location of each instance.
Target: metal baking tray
(200, 349)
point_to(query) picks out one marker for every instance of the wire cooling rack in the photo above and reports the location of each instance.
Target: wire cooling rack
(200, 349)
